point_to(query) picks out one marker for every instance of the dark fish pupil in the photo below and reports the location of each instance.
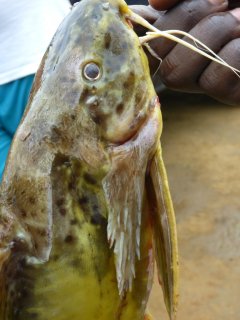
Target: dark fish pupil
(91, 71)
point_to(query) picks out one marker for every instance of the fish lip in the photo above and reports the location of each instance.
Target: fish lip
(131, 137)
(150, 110)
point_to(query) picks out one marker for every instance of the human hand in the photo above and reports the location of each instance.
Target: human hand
(215, 25)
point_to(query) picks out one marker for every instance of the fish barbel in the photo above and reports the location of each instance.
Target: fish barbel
(85, 206)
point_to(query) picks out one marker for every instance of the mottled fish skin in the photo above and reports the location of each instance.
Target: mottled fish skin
(77, 164)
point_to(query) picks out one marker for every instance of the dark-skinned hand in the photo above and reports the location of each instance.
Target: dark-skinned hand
(213, 23)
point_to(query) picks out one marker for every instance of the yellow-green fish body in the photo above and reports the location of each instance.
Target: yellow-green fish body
(84, 199)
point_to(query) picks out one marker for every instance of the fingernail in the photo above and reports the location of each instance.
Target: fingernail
(215, 2)
(236, 13)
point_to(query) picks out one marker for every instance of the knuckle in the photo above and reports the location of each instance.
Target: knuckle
(214, 84)
(209, 82)
(220, 81)
(169, 73)
(220, 24)
(198, 10)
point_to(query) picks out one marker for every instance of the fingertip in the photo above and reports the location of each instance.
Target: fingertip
(236, 13)
(162, 4)
(217, 2)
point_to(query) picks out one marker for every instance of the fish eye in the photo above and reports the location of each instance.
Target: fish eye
(91, 71)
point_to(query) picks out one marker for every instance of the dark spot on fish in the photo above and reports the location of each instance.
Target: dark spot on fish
(116, 47)
(95, 208)
(18, 244)
(125, 45)
(32, 200)
(84, 95)
(55, 257)
(69, 239)
(23, 214)
(22, 263)
(72, 185)
(33, 214)
(97, 119)
(63, 79)
(4, 221)
(32, 316)
(55, 134)
(83, 200)
(60, 202)
(100, 119)
(79, 39)
(72, 98)
(9, 273)
(76, 263)
(123, 303)
(56, 63)
(16, 312)
(90, 179)
(67, 164)
(42, 232)
(24, 292)
(96, 12)
(98, 219)
(12, 293)
(67, 79)
(138, 98)
(107, 40)
(73, 222)
(130, 80)
(119, 108)
(60, 160)
(63, 211)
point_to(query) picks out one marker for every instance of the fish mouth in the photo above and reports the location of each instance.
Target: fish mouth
(139, 122)
(132, 131)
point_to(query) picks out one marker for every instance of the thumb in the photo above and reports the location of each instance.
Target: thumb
(162, 4)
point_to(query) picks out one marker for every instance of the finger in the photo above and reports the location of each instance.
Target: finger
(184, 17)
(147, 12)
(219, 82)
(163, 4)
(182, 68)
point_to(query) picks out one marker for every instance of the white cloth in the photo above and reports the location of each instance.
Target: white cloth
(26, 29)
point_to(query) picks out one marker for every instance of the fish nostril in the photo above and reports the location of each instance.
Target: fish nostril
(129, 22)
(91, 71)
(92, 101)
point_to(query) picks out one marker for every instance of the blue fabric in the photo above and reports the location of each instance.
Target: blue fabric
(13, 99)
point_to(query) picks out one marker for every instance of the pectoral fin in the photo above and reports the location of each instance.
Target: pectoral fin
(164, 231)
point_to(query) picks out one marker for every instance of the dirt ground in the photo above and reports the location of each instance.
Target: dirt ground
(201, 144)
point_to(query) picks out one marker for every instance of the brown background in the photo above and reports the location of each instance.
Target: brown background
(201, 144)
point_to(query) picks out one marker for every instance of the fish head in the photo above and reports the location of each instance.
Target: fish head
(93, 84)
(116, 88)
